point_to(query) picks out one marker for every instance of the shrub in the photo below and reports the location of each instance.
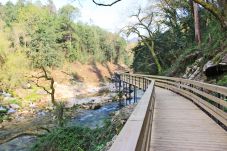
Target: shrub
(78, 138)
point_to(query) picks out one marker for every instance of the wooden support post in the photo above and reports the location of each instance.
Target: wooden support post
(119, 85)
(130, 95)
(134, 94)
(146, 83)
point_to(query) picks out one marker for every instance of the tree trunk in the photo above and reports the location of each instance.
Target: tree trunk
(197, 23)
(222, 18)
(154, 56)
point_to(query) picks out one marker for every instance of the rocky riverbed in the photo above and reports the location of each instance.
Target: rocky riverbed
(83, 111)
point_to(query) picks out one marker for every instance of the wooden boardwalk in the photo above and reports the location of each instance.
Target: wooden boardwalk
(179, 125)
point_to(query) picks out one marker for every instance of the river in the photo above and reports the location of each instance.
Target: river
(88, 118)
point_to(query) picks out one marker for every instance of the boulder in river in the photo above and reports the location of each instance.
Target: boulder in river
(86, 107)
(14, 106)
(11, 111)
(96, 106)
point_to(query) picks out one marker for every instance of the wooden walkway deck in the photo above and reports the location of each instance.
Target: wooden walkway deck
(179, 125)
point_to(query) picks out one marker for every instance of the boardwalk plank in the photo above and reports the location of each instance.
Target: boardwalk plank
(179, 125)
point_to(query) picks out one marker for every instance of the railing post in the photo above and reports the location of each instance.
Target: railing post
(139, 82)
(143, 85)
(135, 94)
(218, 105)
(120, 84)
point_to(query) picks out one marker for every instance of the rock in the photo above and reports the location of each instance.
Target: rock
(49, 108)
(41, 92)
(196, 72)
(1, 126)
(14, 106)
(26, 86)
(5, 94)
(96, 106)
(8, 98)
(3, 110)
(224, 59)
(11, 111)
(117, 112)
(86, 107)
(207, 65)
(41, 113)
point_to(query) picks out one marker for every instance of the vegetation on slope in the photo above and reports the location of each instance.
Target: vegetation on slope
(174, 39)
(35, 35)
(78, 138)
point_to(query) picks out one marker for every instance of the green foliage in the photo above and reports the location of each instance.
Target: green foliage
(15, 101)
(33, 96)
(13, 70)
(36, 35)
(78, 138)
(59, 111)
(142, 61)
(50, 37)
(176, 42)
(223, 81)
(3, 115)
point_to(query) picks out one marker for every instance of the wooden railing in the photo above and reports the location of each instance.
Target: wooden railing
(211, 98)
(135, 135)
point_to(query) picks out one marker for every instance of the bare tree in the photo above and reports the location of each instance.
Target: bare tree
(51, 91)
(145, 24)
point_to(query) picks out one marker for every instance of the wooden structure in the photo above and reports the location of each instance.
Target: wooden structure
(165, 120)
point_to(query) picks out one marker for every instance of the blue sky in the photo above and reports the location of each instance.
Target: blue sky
(110, 18)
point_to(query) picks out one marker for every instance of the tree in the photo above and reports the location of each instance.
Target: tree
(51, 91)
(67, 14)
(10, 13)
(145, 23)
(197, 23)
(43, 45)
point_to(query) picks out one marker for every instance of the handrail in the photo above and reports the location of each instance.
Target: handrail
(135, 135)
(211, 98)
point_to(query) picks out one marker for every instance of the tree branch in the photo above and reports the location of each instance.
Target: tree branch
(40, 86)
(48, 78)
(110, 4)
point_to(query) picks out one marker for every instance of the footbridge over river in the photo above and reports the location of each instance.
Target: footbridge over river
(174, 114)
